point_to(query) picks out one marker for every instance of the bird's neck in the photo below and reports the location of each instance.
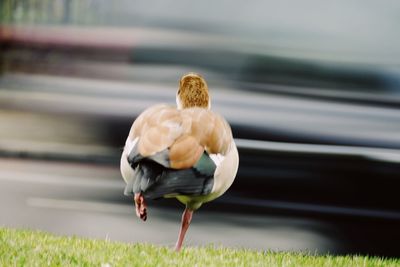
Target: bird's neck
(181, 106)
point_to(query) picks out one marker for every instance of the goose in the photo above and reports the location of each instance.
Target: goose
(185, 152)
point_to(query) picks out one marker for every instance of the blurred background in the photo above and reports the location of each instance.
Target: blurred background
(311, 90)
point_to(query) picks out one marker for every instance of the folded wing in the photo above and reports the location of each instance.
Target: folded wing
(169, 151)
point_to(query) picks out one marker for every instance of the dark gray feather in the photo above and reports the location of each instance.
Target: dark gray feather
(161, 157)
(155, 180)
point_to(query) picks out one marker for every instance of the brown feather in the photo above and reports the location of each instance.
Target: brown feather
(185, 152)
(186, 133)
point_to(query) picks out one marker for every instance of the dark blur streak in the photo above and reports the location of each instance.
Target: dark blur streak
(313, 93)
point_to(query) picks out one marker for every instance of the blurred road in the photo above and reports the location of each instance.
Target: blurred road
(87, 200)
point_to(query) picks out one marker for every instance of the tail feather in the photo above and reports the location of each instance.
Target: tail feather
(156, 181)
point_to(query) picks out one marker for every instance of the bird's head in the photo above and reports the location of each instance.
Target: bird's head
(193, 92)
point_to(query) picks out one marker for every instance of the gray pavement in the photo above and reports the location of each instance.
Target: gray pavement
(87, 200)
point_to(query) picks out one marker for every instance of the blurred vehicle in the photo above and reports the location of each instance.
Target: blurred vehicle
(313, 97)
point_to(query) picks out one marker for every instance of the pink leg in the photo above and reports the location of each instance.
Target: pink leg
(186, 219)
(141, 207)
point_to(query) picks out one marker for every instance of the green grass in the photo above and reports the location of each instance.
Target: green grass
(32, 248)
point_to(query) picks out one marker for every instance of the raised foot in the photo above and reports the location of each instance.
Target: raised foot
(141, 207)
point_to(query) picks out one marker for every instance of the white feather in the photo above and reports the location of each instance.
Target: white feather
(125, 167)
(225, 172)
(217, 158)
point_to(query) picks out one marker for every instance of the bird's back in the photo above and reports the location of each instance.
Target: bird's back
(172, 152)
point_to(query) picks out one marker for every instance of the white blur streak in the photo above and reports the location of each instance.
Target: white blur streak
(61, 180)
(78, 205)
(381, 154)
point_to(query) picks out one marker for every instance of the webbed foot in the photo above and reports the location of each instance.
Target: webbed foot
(141, 207)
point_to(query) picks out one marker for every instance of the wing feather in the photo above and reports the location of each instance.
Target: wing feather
(184, 134)
(185, 152)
